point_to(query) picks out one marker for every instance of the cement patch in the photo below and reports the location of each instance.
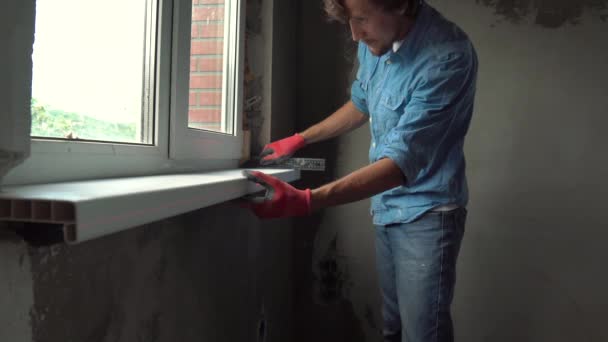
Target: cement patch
(547, 13)
(16, 292)
(332, 277)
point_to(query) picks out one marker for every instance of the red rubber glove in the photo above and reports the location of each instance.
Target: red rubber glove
(280, 150)
(280, 199)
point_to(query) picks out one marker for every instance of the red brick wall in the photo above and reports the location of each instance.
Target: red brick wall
(206, 64)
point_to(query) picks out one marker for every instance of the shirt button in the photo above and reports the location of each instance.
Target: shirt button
(373, 144)
(388, 61)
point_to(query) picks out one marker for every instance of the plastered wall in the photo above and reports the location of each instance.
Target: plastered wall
(215, 274)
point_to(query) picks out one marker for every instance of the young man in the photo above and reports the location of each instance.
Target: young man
(416, 86)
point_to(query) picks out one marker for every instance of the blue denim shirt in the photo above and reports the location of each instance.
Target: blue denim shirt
(420, 102)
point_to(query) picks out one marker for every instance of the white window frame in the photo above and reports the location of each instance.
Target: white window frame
(186, 143)
(177, 148)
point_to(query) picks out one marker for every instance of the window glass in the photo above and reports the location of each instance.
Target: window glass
(90, 71)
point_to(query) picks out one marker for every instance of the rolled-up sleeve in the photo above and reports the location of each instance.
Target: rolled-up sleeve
(357, 94)
(435, 117)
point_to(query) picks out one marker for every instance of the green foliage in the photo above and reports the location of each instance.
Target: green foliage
(54, 123)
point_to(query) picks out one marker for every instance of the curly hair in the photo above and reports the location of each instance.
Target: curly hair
(336, 11)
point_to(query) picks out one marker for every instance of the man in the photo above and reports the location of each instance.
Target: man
(416, 86)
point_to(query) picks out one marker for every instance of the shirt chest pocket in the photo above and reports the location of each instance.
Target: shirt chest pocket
(390, 109)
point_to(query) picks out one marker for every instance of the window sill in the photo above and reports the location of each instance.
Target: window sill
(91, 209)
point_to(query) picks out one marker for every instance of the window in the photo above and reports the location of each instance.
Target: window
(137, 87)
(89, 78)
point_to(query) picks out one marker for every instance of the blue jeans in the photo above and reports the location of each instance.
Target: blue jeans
(417, 271)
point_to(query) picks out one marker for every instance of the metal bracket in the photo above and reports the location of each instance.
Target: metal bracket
(304, 164)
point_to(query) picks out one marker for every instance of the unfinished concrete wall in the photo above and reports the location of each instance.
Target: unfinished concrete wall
(270, 74)
(324, 275)
(531, 264)
(17, 298)
(215, 274)
(534, 244)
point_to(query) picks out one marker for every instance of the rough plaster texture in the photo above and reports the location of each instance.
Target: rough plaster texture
(537, 175)
(258, 78)
(323, 270)
(214, 274)
(531, 265)
(548, 13)
(270, 57)
(16, 289)
(190, 278)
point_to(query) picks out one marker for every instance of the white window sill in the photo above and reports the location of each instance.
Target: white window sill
(90, 209)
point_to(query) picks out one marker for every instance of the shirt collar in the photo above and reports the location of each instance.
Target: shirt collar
(404, 47)
(397, 45)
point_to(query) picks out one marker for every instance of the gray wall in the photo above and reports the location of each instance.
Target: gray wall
(216, 274)
(271, 55)
(532, 262)
(325, 310)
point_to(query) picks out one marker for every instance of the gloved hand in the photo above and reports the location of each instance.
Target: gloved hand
(280, 199)
(278, 151)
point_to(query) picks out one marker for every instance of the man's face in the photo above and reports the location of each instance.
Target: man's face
(377, 28)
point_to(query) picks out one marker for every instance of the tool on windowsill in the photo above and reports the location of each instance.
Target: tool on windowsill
(302, 164)
(305, 164)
